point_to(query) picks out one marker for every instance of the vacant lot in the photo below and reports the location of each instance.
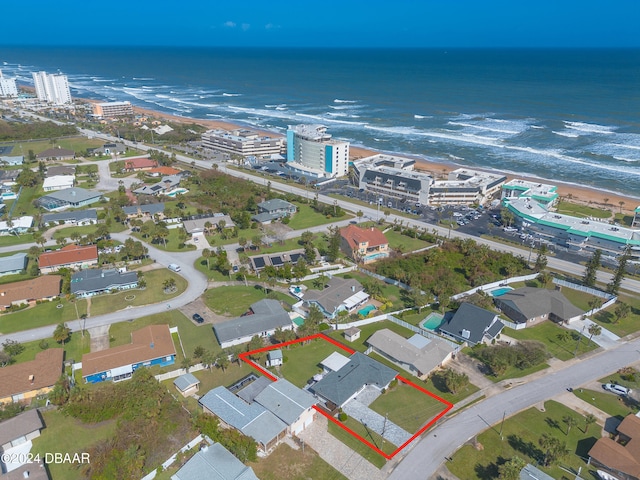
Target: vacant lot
(235, 300)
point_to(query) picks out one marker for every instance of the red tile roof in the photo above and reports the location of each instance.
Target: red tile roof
(46, 369)
(355, 235)
(68, 255)
(134, 163)
(37, 288)
(165, 171)
(148, 343)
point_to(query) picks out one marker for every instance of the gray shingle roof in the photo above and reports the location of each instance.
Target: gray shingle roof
(12, 263)
(475, 320)
(251, 419)
(533, 302)
(77, 215)
(149, 209)
(96, 280)
(267, 315)
(185, 381)
(214, 463)
(361, 370)
(285, 400)
(20, 425)
(275, 204)
(251, 391)
(72, 195)
(337, 291)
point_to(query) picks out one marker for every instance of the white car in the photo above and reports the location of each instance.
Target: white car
(617, 389)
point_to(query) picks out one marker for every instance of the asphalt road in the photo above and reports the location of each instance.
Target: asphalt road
(431, 451)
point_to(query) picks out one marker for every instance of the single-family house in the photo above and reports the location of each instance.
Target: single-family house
(163, 171)
(151, 345)
(292, 405)
(198, 225)
(58, 182)
(274, 358)
(75, 197)
(530, 306)
(274, 209)
(417, 355)
(619, 456)
(263, 319)
(214, 462)
(16, 226)
(89, 282)
(471, 324)
(338, 387)
(71, 256)
(363, 245)
(13, 264)
(23, 381)
(109, 149)
(187, 384)
(46, 287)
(277, 260)
(162, 129)
(75, 217)
(16, 435)
(12, 160)
(56, 154)
(55, 170)
(251, 419)
(139, 164)
(340, 294)
(147, 210)
(165, 185)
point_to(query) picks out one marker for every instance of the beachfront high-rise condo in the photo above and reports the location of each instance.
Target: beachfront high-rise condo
(112, 109)
(246, 142)
(52, 88)
(312, 151)
(8, 86)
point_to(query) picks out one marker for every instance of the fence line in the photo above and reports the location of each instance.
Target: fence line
(169, 462)
(574, 286)
(424, 332)
(492, 285)
(181, 371)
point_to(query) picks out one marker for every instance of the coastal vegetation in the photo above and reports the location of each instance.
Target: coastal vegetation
(35, 129)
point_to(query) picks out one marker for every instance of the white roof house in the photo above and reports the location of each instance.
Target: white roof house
(58, 182)
(16, 225)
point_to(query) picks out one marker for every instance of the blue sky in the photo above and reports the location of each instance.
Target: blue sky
(328, 23)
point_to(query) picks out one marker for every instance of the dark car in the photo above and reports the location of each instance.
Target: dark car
(198, 318)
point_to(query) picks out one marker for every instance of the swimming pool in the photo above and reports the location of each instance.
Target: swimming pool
(433, 321)
(500, 291)
(175, 192)
(366, 310)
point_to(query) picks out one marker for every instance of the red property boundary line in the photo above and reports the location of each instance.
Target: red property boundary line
(448, 405)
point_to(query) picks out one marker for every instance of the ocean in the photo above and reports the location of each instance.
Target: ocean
(562, 115)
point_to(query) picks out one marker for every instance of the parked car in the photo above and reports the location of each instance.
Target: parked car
(617, 389)
(198, 318)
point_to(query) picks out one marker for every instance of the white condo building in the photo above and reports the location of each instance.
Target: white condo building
(8, 86)
(52, 88)
(311, 151)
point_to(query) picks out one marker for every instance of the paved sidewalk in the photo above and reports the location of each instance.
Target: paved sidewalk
(337, 454)
(376, 422)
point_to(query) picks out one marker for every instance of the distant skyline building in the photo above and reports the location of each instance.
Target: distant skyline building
(312, 151)
(8, 86)
(52, 88)
(245, 142)
(112, 109)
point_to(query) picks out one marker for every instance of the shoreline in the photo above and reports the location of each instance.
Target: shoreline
(581, 194)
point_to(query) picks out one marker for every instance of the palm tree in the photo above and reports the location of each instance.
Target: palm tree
(588, 420)
(206, 253)
(621, 312)
(621, 203)
(594, 329)
(570, 421)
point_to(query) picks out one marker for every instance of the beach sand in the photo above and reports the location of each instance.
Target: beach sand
(577, 194)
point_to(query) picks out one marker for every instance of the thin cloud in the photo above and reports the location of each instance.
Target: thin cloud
(271, 26)
(230, 24)
(246, 26)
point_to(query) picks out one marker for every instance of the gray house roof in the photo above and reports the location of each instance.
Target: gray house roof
(214, 463)
(276, 205)
(12, 263)
(251, 391)
(529, 472)
(77, 215)
(96, 280)
(198, 225)
(20, 425)
(337, 291)
(149, 209)
(424, 356)
(55, 170)
(72, 195)
(185, 381)
(533, 302)
(267, 315)
(285, 400)
(338, 387)
(471, 323)
(251, 419)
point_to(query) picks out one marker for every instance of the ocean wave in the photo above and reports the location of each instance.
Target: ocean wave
(566, 134)
(421, 117)
(590, 127)
(337, 100)
(144, 78)
(488, 129)
(628, 160)
(231, 94)
(329, 120)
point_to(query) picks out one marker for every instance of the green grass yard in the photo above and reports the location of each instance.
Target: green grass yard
(608, 402)
(307, 217)
(364, 450)
(74, 348)
(40, 315)
(171, 244)
(551, 334)
(233, 301)
(626, 326)
(78, 144)
(397, 241)
(302, 361)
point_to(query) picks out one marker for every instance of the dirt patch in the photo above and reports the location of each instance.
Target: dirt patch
(198, 306)
(99, 338)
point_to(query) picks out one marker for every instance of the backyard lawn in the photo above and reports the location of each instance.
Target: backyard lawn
(46, 313)
(302, 361)
(233, 301)
(74, 348)
(68, 435)
(625, 326)
(285, 462)
(552, 335)
(152, 293)
(366, 331)
(521, 434)
(407, 407)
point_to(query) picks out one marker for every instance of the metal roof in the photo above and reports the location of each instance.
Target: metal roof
(285, 400)
(12, 263)
(214, 463)
(267, 315)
